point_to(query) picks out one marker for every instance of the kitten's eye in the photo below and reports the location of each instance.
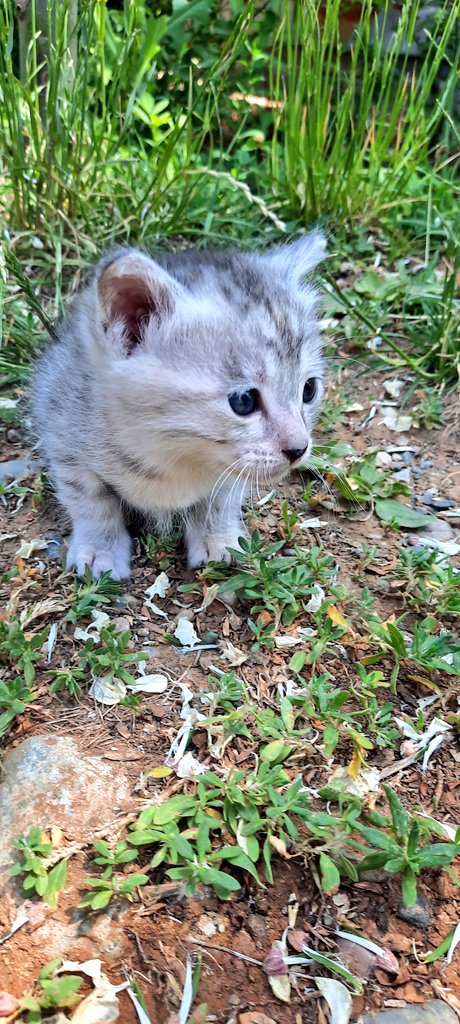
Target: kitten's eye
(245, 402)
(310, 389)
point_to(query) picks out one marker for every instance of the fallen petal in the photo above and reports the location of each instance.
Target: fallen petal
(338, 999)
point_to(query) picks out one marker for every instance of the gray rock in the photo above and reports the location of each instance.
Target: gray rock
(441, 504)
(437, 529)
(418, 915)
(55, 546)
(402, 476)
(435, 1012)
(18, 469)
(48, 781)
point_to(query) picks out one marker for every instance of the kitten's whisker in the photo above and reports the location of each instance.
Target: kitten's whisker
(221, 479)
(232, 491)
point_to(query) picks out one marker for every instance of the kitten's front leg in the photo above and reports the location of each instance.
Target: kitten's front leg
(99, 538)
(214, 527)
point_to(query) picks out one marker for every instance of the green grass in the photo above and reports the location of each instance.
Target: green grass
(136, 128)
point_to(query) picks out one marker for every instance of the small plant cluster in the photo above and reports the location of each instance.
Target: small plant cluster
(56, 992)
(37, 876)
(89, 594)
(266, 812)
(269, 581)
(427, 583)
(111, 883)
(107, 658)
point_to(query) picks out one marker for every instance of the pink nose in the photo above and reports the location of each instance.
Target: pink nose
(293, 454)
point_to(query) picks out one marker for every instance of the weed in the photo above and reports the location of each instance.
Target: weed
(426, 582)
(399, 848)
(110, 655)
(429, 410)
(326, 118)
(36, 851)
(69, 680)
(110, 885)
(90, 594)
(289, 528)
(14, 697)
(56, 992)
(262, 633)
(20, 650)
(277, 583)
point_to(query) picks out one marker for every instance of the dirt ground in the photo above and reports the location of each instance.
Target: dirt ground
(162, 928)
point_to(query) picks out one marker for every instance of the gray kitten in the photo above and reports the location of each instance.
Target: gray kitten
(175, 385)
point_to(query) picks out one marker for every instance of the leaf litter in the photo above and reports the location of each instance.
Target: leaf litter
(267, 676)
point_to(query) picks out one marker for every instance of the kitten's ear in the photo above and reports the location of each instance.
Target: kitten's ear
(131, 288)
(296, 259)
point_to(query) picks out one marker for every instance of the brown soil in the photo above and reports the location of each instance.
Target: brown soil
(156, 933)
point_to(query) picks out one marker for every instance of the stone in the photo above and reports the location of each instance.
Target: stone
(55, 546)
(48, 781)
(418, 915)
(439, 503)
(18, 469)
(435, 1012)
(257, 927)
(436, 529)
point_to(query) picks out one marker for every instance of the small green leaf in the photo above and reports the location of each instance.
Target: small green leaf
(399, 818)
(437, 854)
(275, 752)
(409, 887)
(440, 950)
(391, 511)
(330, 876)
(101, 899)
(56, 881)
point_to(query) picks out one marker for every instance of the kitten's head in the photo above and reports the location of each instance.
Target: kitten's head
(215, 357)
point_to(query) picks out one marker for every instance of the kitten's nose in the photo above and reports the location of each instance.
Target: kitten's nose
(293, 454)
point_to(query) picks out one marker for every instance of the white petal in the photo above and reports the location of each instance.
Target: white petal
(186, 633)
(107, 691)
(154, 683)
(338, 999)
(160, 586)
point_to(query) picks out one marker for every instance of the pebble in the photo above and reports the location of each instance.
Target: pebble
(382, 460)
(434, 1012)
(402, 475)
(55, 544)
(18, 469)
(441, 504)
(418, 915)
(437, 529)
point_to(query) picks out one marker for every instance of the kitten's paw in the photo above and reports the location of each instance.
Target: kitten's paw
(212, 548)
(101, 559)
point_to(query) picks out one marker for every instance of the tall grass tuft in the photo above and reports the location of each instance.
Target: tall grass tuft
(352, 124)
(88, 134)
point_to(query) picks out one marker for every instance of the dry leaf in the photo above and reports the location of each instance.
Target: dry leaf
(107, 690)
(279, 845)
(338, 999)
(155, 683)
(186, 633)
(160, 586)
(338, 619)
(280, 986)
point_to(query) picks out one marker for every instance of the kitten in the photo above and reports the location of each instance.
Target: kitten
(175, 385)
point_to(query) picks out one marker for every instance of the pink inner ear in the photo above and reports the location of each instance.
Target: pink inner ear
(129, 299)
